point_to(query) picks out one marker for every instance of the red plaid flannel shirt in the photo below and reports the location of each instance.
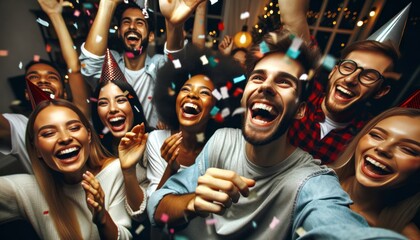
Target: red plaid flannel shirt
(305, 133)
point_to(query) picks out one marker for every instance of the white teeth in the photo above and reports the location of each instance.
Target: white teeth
(191, 105)
(116, 119)
(47, 90)
(262, 106)
(68, 150)
(345, 91)
(132, 35)
(378, 164)
(259, 121)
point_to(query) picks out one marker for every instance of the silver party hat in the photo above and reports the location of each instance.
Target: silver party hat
(393, 29)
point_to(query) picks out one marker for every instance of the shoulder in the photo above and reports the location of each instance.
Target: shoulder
(15, 118)
(158, 136)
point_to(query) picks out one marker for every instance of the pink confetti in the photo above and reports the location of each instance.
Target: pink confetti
(211, 221)
(129, 54)
(76, 13)
(36, 58)
(48, 48)
(164, 218)
(4, 53)
(274, 222)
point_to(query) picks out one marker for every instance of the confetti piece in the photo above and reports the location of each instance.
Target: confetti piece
(238, 111)
(36, 58)
(87, 5)
(164, 218)
(218, 118)
(254, 224)
(239, 79)
(88, 12)
(200, 137)
(229, 214)
(329, 62)
(225, 112)
(93, 99)
(213, 1)
(303, 77)
(139, 229)
(126, 1)
(98, 39)
(126, 92)
(20, 65)
(43, 22)
(300, 231)
(213, 61)
(292, 53)
(229, 85)
(264, 47)
(177, 63)
(244, 15)
(296, 43)
(204, 60)
(4, 53)
(105, 130)
(237, 92)
(171, 57)
(45, 212)
(152, 66)
(136, 108)
(75, 25)
(111, 30)
(216, 94)
(221, 26)
(48, 48)
(149, 97)
(274, 222)
(171, 92)
(252, 194)
(76, 13)
(201, 36)
(214, 111)
(171, 231)
(179, 237)
(52, 96)
(224, 91)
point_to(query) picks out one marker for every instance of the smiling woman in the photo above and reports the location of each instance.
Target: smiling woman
(77, 187)
(380, 170)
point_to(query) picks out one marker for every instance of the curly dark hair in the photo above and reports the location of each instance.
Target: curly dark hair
(280, 41)
(135, 104)
(122, 7)
(221, 70)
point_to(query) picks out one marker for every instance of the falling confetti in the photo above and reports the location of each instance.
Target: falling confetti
(274, 223)
(225, 112)
(201, 36)
(200, 137)
(238, 91)
(239, 79)
(211, 221)
(238, 111)
(177, 63)
(139, 229)
(164, 218)
(20, 65)
(105, 130)
(254, 224)
(76, 13)
(244, 15)
(300, 231)
(213, 2)
(264, 47)
(36, 58)
(224, 91)
(216, 94)
(214, 111)
(4, 53)
(221, 26)
(329, 62)
(98, 39)
(43, 22)
(204, 60)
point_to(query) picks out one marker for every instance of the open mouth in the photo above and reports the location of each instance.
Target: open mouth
(190, 109)
(49, 91)
(344, 93)
(68, 153)
(132, 37)
(263, 113)
(376, 167)
(116, 121)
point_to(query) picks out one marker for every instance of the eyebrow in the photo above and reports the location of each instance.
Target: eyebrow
(277, 74)
(189, 85)
(135, 19)
(53, 126)
(121, 95)
(37, 72)
(403, 140)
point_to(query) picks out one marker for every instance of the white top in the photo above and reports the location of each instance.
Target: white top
(18, 124)
(328, 125)
(156, 164)
(21, 198)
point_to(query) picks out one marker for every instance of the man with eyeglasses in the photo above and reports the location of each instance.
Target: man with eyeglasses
(335, 116)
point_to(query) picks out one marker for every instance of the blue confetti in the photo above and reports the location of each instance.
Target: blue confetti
(214, 110)
(329, 62)
(239, 79)
(292, 53)
(264, 47)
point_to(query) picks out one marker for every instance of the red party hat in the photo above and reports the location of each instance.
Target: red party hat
(110, 69)
(36, 95)
(413, 101)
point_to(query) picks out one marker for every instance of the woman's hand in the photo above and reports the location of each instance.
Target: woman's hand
(132, 146)
(95, 197)
(170, 150)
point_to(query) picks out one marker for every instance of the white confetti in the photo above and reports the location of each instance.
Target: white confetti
(177, 63)
(224, 91)
(204, 60)
(213, 2)
(216, 94)
(98, 39)
(244, 15)
(43, 22)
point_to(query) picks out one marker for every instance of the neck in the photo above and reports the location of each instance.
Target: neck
(365, 199)
(342, 117)
(270, 154)
(189, 141)
(75, 177)
(137, 62)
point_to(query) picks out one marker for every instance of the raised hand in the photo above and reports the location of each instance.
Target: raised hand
(177, 11)
(95, 197)
(53, 6)
(226, 45)
(170, 150)
(132, 146)
(217, 189)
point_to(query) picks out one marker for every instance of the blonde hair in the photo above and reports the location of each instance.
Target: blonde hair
(50, 182)
(402, 207)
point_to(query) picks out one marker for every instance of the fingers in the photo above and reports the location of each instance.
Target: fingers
(94, 193)
(218, 189)
(136, 135)
(170, 147)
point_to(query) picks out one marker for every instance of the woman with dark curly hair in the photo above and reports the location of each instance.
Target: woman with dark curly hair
(192, 101)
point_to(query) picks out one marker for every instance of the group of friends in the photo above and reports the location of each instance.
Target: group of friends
(204, 144)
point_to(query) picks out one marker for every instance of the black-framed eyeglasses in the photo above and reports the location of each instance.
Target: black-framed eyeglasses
(365, 77)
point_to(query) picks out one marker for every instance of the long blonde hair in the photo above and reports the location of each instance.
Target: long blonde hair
(405, 201)
(50, 182)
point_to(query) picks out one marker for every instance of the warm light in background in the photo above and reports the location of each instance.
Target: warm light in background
(243, 38)
(360, 23)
